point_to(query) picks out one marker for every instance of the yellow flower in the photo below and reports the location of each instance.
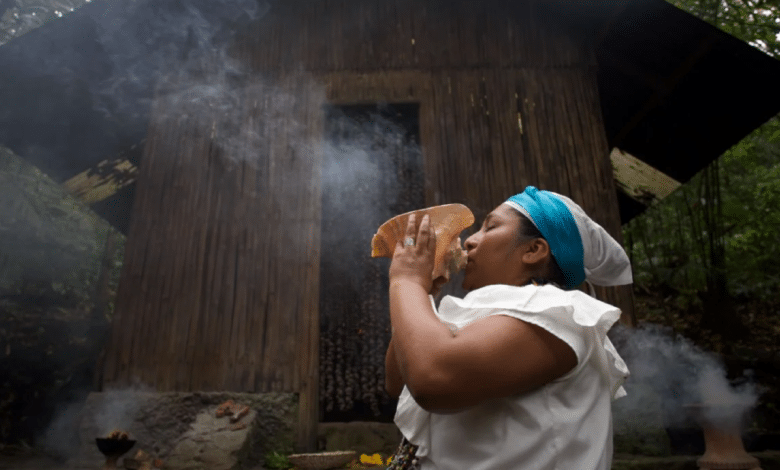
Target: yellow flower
(375, 459)
(389, 460)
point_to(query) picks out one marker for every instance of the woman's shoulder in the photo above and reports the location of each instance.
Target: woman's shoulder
(502, 294)
(579, 306)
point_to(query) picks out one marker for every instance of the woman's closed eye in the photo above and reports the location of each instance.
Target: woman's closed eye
(489, 223)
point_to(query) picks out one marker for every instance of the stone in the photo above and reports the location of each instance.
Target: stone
(182, 428)
(212, 443)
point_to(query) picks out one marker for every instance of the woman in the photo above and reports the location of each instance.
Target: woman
(519, 374)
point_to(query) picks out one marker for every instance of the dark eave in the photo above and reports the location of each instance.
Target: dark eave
(677, 92)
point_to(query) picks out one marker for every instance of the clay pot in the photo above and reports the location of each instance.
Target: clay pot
(722, 427)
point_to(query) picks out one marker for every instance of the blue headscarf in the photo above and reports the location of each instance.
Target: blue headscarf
(556, 223)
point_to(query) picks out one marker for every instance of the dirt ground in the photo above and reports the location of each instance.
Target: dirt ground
(769, 461)
(37, 462)
(29, 462)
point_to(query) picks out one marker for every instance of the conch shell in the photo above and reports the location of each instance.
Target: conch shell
(447, 222)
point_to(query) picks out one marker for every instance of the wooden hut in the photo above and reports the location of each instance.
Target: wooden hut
(227, 258)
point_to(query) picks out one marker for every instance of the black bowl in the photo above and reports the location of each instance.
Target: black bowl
(113, 447)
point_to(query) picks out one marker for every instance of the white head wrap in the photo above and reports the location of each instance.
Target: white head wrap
(604, 260)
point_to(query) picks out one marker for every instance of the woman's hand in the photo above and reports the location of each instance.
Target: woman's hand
(415, 263)
(438, 283)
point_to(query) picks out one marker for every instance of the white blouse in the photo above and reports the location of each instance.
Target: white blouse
(564, 425)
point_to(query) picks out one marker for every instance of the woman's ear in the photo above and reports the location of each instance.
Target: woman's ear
(538, 251)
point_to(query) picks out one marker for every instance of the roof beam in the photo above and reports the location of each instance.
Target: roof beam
(103, 181)
(635, 178)
(18, 18)
(640, 181)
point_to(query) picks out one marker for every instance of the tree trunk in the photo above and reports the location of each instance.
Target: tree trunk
(720, 314)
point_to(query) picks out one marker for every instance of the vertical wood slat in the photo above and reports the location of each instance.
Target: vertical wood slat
(188, 321)
(194, 313)
(589, 148)
(569, 139)
(531, 102)
(307, 359)
(168, 340)
(256, 302)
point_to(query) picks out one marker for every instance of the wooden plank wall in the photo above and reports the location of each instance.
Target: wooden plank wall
(220, 283)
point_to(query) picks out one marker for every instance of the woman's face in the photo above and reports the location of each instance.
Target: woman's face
(494, 256)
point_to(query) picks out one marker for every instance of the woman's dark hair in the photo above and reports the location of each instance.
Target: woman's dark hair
(527, 232)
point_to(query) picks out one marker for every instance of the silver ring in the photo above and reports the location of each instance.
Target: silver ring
(408, 241)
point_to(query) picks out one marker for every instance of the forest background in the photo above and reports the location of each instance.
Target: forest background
(707, 258)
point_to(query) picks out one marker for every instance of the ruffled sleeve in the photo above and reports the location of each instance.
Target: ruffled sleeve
(573, 316)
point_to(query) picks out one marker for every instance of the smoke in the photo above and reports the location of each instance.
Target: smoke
(113, 409)
(365, 160)
(152, 42)
(61, 437)
(683, 377)
(176, 55)
(364, 184)
(117, 409)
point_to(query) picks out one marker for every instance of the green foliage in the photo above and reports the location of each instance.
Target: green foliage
(756, 22)
(276, 460)
(670, 244)
(752, 214)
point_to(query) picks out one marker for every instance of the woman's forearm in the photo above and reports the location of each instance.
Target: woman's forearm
(419, 337)
(394, 382)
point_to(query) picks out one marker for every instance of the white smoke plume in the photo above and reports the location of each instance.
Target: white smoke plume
(683, 377)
